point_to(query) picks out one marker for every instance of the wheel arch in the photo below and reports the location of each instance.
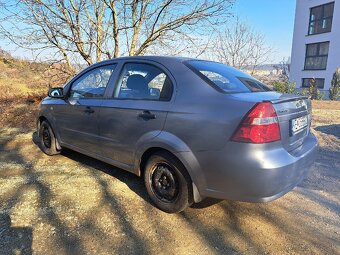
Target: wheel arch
(173, 145)
(42, 118)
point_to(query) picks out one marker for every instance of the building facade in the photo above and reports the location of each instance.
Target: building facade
(316, 43)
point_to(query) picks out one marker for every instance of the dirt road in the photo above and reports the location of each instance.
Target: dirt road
(72, 204)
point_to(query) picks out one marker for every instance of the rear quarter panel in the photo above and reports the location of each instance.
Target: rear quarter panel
(203, 119)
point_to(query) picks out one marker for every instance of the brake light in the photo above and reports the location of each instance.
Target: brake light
(261, 125)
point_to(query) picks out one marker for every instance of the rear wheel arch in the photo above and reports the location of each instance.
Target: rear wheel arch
(153, 150)
(171, 143)
(145, 157)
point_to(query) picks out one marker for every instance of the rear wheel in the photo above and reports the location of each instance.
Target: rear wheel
(167, 182)
(48, 143)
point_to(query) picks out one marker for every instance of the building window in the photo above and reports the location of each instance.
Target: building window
(320, 20)
(316, 56)
(306, 82)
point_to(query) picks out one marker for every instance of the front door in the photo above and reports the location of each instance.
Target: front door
(136, 112)
(77, 116)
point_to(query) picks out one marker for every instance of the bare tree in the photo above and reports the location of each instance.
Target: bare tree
(242, 47)
(86, 31)
(283, 69)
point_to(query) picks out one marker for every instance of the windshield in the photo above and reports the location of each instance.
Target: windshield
(224, 78)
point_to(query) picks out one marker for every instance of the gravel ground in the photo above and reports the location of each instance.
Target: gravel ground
(72, 204)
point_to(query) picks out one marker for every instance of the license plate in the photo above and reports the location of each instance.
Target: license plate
(299, 124)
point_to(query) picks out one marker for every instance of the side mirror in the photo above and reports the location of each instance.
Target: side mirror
(154, 92)
(56, 92)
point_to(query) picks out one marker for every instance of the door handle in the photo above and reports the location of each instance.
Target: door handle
(89, 110)
(147, 115)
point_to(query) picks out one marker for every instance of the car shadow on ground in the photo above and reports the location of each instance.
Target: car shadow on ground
(134, 182)
(14, 240)
(64, 237)
(333, 129)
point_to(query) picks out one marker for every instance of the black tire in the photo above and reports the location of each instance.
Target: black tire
(168, 183)
(47, 139)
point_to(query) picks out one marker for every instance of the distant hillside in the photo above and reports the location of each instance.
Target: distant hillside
(22, 86)
(25, 80)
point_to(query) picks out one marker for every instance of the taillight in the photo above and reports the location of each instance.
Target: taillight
(261, 125)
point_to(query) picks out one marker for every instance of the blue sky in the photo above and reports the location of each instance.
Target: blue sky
(273, 18)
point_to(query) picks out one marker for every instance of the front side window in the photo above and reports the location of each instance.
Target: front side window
(320, 20)
(224, 78)
(308, 82)
(143, 81)
(316, 56)
(93, 83)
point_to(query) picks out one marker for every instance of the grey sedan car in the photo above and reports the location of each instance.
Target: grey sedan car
(191, 128)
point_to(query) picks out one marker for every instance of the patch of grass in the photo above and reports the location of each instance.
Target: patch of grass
(322, 104)
(21, 80)
(23, 85)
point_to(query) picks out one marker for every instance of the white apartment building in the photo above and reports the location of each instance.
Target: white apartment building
(316, 43)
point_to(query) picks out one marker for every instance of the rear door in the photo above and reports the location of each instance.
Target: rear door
(136, 111)
(77, 116)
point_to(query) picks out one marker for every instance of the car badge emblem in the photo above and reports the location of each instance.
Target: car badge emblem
(300, 103)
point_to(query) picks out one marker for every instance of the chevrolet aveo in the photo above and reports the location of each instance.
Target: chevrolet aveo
(191, 128)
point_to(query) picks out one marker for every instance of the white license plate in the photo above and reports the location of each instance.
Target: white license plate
(299, 124)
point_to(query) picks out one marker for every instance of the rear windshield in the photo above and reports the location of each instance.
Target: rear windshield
(225, 78)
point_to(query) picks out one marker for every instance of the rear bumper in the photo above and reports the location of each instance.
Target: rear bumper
(255, 173)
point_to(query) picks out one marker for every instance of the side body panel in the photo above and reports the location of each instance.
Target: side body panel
(77, 124)
(121, 128)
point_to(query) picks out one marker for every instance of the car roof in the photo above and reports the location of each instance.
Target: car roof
(168, 60)
(161, 59)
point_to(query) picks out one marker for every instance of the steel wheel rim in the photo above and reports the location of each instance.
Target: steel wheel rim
(46, 137)
(164, 182)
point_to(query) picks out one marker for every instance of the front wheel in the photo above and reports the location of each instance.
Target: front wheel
(48, 143)
(168, 183)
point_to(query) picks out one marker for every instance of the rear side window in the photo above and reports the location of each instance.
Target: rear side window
(144, 82)
(225, 79)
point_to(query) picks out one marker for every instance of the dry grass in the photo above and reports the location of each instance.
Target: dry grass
(21, 80)
(323, 104)
(22, 86)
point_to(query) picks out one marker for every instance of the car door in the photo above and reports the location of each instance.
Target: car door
(77, 117)
(136, 111)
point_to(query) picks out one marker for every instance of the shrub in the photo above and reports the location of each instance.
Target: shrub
(318, 95)
(312, 91)
(334, 90)
(284, 87)
(8, 61)
(4, 54)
